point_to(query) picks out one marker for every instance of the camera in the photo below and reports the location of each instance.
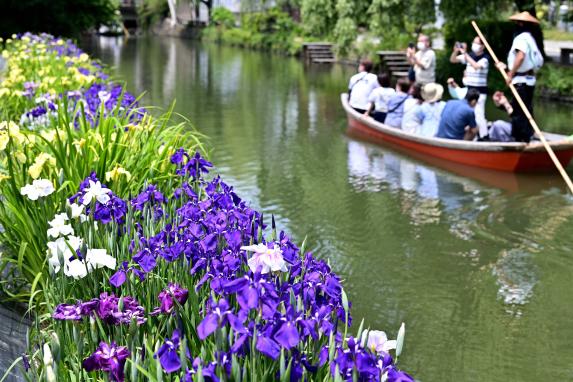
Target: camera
(458, 44)
(411, 45)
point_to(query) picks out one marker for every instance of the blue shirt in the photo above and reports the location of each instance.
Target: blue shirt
(430, 115)
(456, 116)
(396, 110)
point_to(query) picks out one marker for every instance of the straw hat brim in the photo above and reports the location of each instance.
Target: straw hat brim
(433, 96)
(525, 17)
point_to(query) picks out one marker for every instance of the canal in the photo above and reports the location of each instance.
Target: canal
(478, 266)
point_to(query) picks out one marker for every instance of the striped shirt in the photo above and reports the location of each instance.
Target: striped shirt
(475, 78)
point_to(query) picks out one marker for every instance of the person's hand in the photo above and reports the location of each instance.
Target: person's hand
(451, 81)
(410, 52)
(509, 77)
(501, 66)
(499, 98)
(464, 46)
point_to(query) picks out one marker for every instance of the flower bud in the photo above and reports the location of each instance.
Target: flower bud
(48, 359)
(55, 344)
(93, 329)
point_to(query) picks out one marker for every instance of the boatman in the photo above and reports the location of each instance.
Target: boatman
(524, 59)
(361, 85)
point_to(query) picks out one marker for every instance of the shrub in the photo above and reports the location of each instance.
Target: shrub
(223, 17)
(556, 80)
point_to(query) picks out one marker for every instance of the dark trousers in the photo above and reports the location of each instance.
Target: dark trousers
(521, 129)
(379, 116)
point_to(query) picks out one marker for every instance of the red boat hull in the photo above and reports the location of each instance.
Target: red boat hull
(500, 157)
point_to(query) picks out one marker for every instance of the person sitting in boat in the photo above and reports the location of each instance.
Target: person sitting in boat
(458, 119)
(430, 112)
(424, 60)
(502, 131)
(410, 121)
(396, 103)
(361, 85)
(475, 75)
(379, 98)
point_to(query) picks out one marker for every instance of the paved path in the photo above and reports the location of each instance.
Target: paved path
(553, 48)
(12, 342)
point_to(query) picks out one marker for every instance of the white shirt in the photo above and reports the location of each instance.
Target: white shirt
(474, 77)
(425, 73)
(379, 97)
(410, 122)
(362, 85)
(523, 42)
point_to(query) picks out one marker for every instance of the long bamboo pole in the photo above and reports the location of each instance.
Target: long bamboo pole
(526, 112)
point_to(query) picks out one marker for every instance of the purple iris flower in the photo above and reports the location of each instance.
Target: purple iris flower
(395, 375)
(109, 358)
(67, 312)
(150, 195)
(108, 310)
(177, 158)
(268, 347)
(168, 353)
(287, 335)
(195, 166)
(168, 296)
(219, 316)
(120, 276)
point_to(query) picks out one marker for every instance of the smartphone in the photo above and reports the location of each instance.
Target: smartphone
(411, 45)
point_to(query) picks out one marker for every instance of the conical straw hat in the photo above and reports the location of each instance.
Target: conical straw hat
(524, 16)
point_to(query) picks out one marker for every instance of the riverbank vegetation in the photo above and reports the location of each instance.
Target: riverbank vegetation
(136, 262)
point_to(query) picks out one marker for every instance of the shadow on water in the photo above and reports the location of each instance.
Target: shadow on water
(478, 266)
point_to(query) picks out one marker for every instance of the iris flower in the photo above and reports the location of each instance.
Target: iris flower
(109, 358)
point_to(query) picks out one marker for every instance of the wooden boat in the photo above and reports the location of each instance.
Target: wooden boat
(500, 156)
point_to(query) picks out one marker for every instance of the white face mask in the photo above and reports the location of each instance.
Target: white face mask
(420, 45)
(476, 48)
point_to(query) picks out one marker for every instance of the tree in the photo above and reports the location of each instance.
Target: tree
(318, 16)
(345, 28)
(59, 17)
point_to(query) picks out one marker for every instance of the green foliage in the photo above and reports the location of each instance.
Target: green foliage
(272, 30)
(151, 11)
(556, 80)
(345, 29)
(318, 16)
(224, 17)
(461, 12)
(60, 17)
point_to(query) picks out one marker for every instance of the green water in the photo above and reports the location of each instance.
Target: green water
(479, 266)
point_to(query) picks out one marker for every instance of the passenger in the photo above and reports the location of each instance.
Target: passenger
(430, 112)
(410, 121)
(501, 131)
(475, 75)
(458, 119)
(361, 85)
(396, 103)
(456, 92)
(424, 60)
(379, 98)
(524, 58)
